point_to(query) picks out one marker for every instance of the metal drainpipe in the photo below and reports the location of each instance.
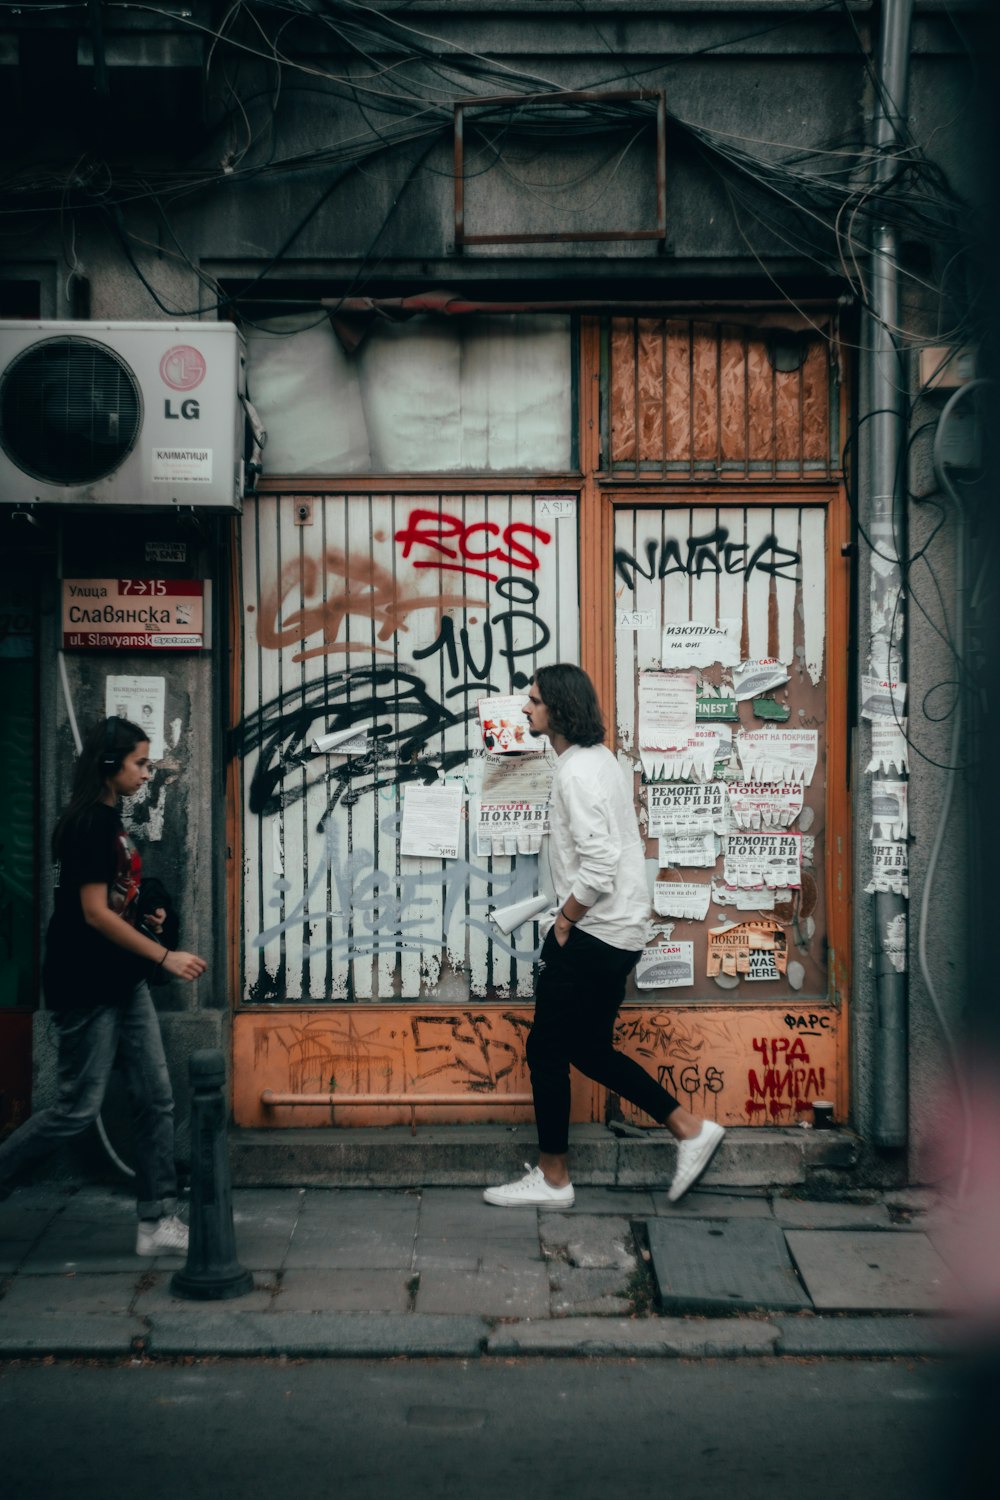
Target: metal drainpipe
(887, 656)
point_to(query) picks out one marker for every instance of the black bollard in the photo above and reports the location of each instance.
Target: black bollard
(212, 1272)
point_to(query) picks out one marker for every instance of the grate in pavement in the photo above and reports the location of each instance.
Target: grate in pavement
(723, 1265)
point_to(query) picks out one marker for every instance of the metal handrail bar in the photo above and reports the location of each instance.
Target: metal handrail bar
(271, 1098)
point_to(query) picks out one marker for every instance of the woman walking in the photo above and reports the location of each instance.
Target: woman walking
(95, 981)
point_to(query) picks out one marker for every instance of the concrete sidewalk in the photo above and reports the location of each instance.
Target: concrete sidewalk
(356, 1272)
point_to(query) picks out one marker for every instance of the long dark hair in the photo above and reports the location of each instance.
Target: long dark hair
(569, 696)
(104, 750)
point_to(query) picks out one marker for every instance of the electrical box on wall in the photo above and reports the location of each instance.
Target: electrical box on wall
(945, 369)
(125, 414)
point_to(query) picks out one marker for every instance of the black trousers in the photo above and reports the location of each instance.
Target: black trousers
(580, 988)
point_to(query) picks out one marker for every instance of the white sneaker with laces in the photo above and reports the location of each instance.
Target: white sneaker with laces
(530, 1191)
(693, 1157)
(168, 1236)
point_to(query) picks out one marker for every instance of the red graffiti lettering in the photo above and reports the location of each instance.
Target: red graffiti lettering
(780, 1046)
(449, 538)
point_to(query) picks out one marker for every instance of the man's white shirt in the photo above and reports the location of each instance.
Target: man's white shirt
(596, 852)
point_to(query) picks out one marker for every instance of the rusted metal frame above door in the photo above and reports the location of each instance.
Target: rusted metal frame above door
(419, 484)
(521, 102)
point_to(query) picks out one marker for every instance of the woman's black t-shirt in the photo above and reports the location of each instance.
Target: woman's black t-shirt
(82, 969)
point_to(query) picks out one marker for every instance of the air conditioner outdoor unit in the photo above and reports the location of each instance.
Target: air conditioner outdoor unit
(125, 414)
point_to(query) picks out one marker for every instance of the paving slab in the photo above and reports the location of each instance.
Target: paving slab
(343, 1291)
(446, 1255)
(58, 1296)
(264, 1220)
(502, 1256)
(13, 1254)
(84, 1245)
(101, 1204)
(36, 1197)
(95, 1335)
(522, 1293)
(589, 1241)
(872, 1270)
(718, 1205)
(156, 1297)
(24, 1222)
(354, 1230)
(456, 1227)
(628, 1202)
(798, 1213)
(320, 1335)
(723, 1266)
(681, 1338)
(866, 1337)
(579, 1293)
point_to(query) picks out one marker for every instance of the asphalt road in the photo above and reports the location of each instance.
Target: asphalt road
(520, 1430)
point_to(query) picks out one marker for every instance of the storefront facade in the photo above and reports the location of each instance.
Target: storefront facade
(390, 606)
(553, 367)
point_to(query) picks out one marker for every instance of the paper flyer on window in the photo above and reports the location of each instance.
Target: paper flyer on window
(765, 804)
(686, 807)
(753, 677)
(778, 754)
(510, 827)
(889, 813)
(516, 778)
(761, 898)
(143, 701)
(691, 644)
(505, 728)
(432, 820)
(890, 751)
(754, 898)
(694, 760)
(666, 966)
(695, 850)
(750, 950)
(681, 898)
(882, 698)
(667, 702)
(890, 869)
(770, 859)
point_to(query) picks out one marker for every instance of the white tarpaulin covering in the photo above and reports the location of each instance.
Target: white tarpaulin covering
(476, 394)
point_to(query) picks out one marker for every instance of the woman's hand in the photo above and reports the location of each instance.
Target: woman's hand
(154, 920)
(183, 965)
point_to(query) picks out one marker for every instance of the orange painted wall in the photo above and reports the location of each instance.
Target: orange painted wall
(739, 1065)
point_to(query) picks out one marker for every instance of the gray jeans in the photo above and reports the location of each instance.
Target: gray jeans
(89, 1041)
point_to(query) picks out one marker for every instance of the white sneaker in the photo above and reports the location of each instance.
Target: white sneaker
(530, 1191)
(693, 1157)
(168, 1236)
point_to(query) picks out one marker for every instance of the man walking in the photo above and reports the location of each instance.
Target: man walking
(598, 867)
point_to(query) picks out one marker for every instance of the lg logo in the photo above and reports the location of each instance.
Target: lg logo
(190, 410)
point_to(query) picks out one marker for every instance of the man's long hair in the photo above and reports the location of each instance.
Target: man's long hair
(104, 750)
(569, 696)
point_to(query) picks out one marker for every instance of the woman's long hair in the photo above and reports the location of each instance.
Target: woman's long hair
(569, 696)
(104, 751)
